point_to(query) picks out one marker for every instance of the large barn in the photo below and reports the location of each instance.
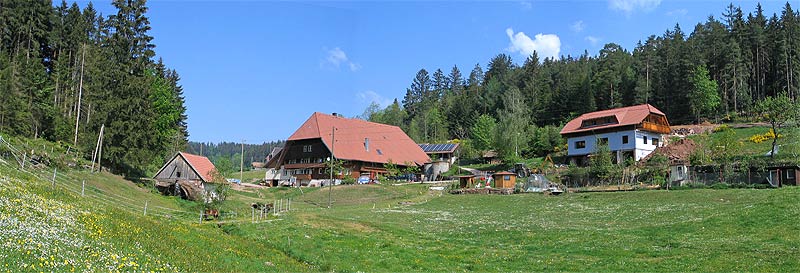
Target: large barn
(363, 146)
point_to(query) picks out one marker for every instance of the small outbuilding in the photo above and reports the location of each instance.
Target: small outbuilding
(783, 175)
(505, 180)
(466, 181)
(188, 176)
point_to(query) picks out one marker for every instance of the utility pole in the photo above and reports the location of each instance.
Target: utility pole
(80, 95)
(333, 160)
(97, 147)
(241, 164)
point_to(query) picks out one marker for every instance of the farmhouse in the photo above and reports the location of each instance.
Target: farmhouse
(363, 146)
(630, 132)
(188, 176)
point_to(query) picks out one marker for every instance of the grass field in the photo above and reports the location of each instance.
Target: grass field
(692, 230)
(388, 228)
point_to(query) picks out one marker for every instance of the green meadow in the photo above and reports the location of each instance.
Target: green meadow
(391, 228)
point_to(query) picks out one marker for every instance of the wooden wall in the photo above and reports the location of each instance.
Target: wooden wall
(177, 169)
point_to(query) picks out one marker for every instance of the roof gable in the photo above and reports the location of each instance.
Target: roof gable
(199, 164)
(625, 116)
(361, 140)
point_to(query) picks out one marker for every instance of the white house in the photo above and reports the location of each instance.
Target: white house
(630, 132)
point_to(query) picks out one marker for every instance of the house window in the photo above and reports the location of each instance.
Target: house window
(379, 151)
(655, 141)
(178, 174)
(506, 177)
(305, 160)
(306, 148)
(645, 139)
(291, 161)
(603, 141)
(624, 139)
(580, 144)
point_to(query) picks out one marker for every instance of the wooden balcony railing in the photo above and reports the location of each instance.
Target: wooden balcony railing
(654, 127)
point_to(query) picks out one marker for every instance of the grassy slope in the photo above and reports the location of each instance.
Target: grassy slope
(788, 141)
(46, 228)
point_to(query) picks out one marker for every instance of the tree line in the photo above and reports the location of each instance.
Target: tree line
(228, 155)
(67, 71)
(719, 72)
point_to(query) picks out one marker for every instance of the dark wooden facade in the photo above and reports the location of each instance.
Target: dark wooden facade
(306, 160)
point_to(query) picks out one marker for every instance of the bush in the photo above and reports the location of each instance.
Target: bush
(722, 128)
(348, 181)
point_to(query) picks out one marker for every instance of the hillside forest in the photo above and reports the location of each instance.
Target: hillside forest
(66, 71)
(718, 72)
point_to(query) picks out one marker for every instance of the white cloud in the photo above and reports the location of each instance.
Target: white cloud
(526, 5)
(336, 57)
(578, 26)
(369, 96)
(677, 12)
(593, 40)
(546, 45)
(630, 6)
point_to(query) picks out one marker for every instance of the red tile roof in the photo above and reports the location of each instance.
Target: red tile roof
(630, 115)
(385, 141)
(201, 165)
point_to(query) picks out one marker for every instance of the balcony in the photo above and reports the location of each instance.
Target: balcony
(654, 127)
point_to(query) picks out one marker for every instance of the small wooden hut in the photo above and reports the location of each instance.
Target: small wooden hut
(188, 176)
(466, 181)
(504, 180)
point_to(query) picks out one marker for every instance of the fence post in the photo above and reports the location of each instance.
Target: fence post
(253, 218)
(55, 172)
(83, 189)
(201, 216)
(288, 204)
(24, 158)
(145, 207)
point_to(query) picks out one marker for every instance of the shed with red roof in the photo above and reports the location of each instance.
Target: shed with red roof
(187, 175)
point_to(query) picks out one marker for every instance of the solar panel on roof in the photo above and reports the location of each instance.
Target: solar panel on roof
(434, 148)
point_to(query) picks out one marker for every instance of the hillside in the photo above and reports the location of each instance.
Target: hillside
(46, 227)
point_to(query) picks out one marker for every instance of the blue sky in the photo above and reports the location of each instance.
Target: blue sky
(255, 70)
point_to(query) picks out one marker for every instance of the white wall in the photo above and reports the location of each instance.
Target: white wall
(635, 141)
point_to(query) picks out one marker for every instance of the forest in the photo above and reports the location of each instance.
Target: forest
(717, 73)
(227, 155)
(65, 72)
